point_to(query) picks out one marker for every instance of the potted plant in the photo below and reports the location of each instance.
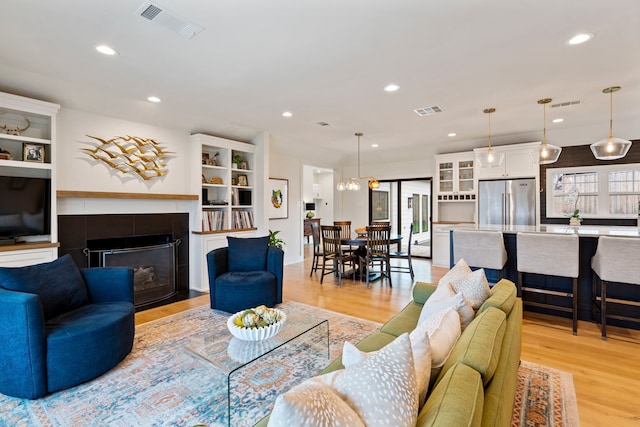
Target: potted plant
(236, 159)
(575, 219)
(274, 240)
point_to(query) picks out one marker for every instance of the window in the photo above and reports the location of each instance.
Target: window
(597, 191)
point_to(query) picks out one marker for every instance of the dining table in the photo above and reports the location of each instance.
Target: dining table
(361, 242)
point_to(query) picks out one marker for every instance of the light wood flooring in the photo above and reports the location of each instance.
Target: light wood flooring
(606, 374)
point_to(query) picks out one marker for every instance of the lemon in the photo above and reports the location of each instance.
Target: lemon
(239, 321)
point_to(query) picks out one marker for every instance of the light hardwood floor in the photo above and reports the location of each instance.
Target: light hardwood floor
(606, 374)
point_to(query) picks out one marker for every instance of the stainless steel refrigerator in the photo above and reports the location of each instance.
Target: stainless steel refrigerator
(507, 202)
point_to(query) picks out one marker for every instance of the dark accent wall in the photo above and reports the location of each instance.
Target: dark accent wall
(75, 230)
(581, 155)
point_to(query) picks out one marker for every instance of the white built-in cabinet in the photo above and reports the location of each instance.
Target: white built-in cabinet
(517, 163)
(455, 176)
(229, 197)
(39, 119)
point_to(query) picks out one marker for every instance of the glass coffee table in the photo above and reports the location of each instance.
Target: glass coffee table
(229, 355)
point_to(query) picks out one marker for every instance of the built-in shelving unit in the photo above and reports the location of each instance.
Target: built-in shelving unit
(27, 141)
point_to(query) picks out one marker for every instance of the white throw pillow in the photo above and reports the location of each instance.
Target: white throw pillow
(474, 287)
(457, 301)
(312, 403)
(458, 271)
(420, 348)
(382, 388)
(444, 330)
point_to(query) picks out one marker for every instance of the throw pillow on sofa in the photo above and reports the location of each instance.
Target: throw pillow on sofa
(444, 330)
(59, 284)
(420, 348)
(457, 301)
(312, 403)
(386, 380)
(474, 287)
(458, 271)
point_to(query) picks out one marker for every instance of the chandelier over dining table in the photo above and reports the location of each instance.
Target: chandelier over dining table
(353, 184)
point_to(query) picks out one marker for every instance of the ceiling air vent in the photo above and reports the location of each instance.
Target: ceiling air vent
(566, 104)
(428, 111)
(323, 124)
(168, 19)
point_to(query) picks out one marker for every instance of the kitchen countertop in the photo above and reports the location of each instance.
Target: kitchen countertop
(583, 230)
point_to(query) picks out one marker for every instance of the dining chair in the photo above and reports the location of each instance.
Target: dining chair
(345, 233)
(318, 251)
(615, 260)
(402, 255)
(549, 255)
(333, 257)
(377, 254)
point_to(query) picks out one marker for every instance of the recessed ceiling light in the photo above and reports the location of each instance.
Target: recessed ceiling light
(287, 114)
(580, 38)
(104, 49)
(451, 134)
(374, 145)
(153, 99)
(391, 88)
(558, 120)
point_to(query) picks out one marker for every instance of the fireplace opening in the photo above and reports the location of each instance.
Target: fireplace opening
(152, 258)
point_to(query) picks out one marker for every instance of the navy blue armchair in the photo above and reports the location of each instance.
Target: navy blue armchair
(61, 326)
(246, 274)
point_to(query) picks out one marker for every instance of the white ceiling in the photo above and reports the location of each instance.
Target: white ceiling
(329, 60)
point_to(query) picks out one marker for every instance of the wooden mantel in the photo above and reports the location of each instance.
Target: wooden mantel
(118, 195)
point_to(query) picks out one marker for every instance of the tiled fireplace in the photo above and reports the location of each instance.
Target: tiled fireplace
(81, 235)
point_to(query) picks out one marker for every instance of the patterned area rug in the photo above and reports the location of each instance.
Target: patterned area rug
(545, 397)
(160, 384)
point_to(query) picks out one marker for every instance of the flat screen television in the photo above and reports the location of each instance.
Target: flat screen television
(25, 207)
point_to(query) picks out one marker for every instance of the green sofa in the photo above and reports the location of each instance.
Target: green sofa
(477, 384)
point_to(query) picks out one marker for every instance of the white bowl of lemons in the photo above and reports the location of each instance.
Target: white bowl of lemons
(256, 324)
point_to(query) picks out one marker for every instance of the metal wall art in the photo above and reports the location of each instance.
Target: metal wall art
(143, 157)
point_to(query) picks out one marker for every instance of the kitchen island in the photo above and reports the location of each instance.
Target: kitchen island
(588, 240)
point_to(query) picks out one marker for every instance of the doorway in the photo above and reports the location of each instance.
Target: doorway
(403, 203)
(317, 200)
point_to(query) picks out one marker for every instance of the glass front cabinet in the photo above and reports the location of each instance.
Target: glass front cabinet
(455, 176)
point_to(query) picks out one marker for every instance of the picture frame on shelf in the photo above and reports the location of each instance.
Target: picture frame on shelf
(33, 152)
(243, 180)
(278, 193)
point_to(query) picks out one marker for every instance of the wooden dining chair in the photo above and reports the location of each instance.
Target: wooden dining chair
(376, 259)
(318, 251)
(345, 233)
(402, 255)
(333, 257)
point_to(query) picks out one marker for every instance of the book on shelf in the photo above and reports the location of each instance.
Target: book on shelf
(242, 219)
(213, 220)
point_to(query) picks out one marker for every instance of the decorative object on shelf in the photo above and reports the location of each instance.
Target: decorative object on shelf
(205, 158)
(5, 155)
(353, 184)
(33, 152)
(14, 118)
(610, 148)
(547, 153)
(216, 180)
(490, 159)
(142, 157)
(310, 207)
(256, 324)
(204, 179)
(575, 219)
(275, 241)
(234, 181)
(244, 165)
(236, 160)
(279, 190)
(243, 181)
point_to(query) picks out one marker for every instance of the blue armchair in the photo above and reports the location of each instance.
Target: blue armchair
(245, 274)
(61, 326)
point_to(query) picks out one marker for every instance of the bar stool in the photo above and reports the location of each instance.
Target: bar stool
(550, 255)
(616, 260)
(480, 249)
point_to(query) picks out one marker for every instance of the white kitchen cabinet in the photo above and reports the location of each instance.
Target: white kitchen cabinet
(455, 176)
(517, 162)
(440, 248)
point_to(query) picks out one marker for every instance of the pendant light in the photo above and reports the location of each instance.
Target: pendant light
(353, 184)
(547, 153)
(490, 159)
(610, 148)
